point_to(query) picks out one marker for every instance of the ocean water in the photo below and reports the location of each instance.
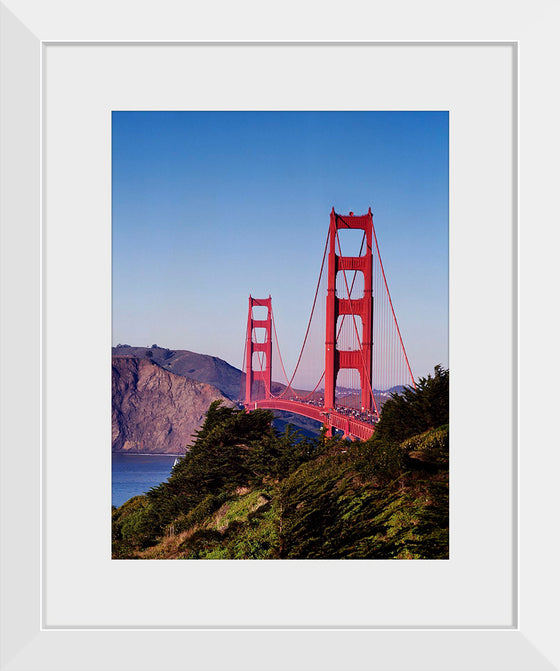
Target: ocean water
(134, 474)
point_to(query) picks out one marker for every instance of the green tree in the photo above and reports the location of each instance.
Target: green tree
(217, 462)
(416, 410)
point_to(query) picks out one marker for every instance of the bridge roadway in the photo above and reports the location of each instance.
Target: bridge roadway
(351, 427)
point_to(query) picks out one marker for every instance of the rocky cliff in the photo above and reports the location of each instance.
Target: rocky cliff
(154, 410)
(199, 367)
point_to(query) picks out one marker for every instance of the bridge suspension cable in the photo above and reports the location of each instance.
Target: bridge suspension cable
(289, 381)
(392, 308)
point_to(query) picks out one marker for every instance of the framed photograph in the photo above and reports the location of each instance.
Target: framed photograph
(67, 605)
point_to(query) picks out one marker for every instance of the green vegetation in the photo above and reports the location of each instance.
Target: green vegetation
(243, 491)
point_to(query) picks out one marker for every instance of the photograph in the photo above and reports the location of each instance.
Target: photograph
(275, 287)
(280, 357)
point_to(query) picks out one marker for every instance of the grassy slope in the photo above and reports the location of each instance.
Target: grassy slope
(335, 506)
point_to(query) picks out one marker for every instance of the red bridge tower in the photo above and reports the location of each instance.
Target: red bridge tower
(361, 358)
(265, 347)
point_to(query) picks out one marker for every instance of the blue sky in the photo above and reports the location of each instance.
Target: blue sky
(209, 207)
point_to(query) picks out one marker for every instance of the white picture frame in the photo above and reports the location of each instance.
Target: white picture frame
(529, 641)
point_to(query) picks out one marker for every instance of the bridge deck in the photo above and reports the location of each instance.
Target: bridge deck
(350, 426)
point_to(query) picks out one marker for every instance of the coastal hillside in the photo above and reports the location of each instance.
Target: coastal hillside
(154, 410)
(200, 367)
(246, 491)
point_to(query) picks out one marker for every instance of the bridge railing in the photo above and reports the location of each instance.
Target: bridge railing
(331, 419)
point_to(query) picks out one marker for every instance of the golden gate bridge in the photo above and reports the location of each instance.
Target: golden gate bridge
(364, 357)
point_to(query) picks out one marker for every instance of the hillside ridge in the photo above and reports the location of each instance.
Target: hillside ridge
(154, 410)
(192, 365)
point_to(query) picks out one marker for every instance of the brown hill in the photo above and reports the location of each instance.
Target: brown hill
(199, 367)
(154, 410)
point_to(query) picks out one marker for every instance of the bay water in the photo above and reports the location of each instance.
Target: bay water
(134, 474)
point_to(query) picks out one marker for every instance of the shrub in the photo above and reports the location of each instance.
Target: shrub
(135, 522)
(416, 410)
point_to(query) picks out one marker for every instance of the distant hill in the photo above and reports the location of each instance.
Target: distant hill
(200, 367)
(346, 396)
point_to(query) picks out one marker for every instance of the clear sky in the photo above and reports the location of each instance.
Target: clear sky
(209, 207)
